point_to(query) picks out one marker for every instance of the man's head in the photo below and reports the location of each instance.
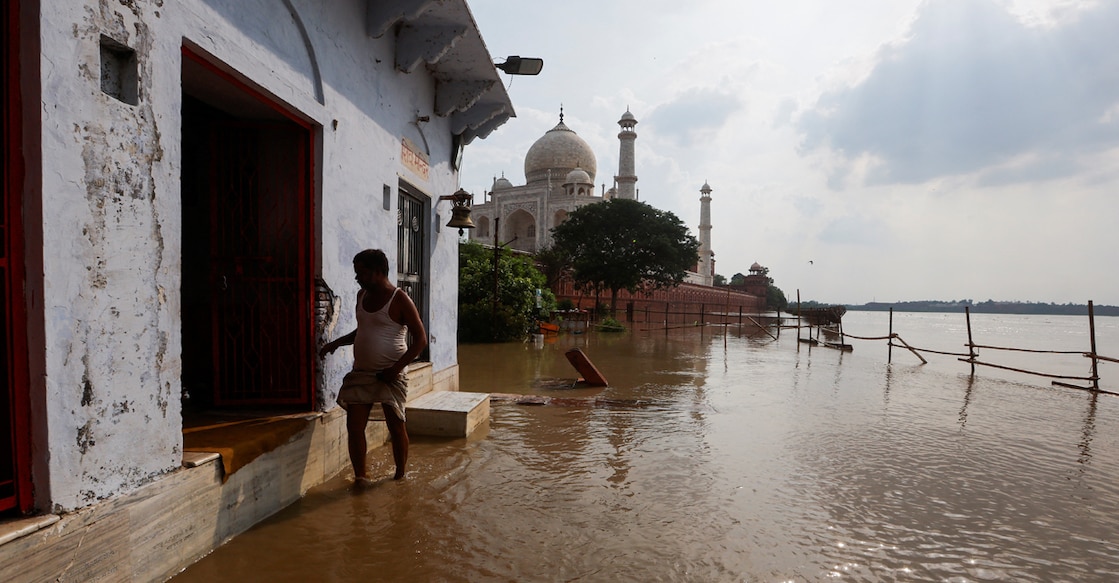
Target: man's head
(373, 260)
(369, 266)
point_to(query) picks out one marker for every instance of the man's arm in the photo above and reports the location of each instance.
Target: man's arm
(409, 316)
(333, 345)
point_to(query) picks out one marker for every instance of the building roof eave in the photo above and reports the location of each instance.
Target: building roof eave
(443, 36)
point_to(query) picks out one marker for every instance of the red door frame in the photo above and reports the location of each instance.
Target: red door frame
(12, 260)
(305, 213)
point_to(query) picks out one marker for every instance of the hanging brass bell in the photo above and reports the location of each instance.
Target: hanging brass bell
(460, 218)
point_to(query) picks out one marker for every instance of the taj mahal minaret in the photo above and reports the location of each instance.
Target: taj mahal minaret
(706, 266)
(626, 179)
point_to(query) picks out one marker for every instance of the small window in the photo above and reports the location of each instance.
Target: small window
(119, 78)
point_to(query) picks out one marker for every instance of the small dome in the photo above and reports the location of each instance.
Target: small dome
(501, 183)
(578, 176)
(627, 116)
(558, 152)
(756, 267)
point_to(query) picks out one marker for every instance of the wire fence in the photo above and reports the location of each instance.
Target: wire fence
(971, 357)
(650, 316)
(687, 315)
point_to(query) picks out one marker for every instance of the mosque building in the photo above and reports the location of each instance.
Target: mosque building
(560, 170)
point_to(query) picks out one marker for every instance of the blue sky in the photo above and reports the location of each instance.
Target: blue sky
(943, 149)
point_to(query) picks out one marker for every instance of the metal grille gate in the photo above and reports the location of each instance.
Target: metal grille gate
(15, 462)
(259, 276)
(410, 254)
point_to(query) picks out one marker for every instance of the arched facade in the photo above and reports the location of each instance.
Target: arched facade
(559, 172)
(559, 177)
(519, 231)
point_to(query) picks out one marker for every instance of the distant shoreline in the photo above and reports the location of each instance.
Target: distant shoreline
(988, 307)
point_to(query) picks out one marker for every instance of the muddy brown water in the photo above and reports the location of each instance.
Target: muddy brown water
(733, 457)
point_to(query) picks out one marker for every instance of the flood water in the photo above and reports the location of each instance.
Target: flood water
(719, 456)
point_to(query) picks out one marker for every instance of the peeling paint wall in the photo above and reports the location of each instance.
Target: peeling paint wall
(111, 354)
(112, 217)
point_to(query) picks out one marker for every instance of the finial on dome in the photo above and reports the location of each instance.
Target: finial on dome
(561, 113)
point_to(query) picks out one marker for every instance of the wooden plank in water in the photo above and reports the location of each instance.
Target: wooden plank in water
(590, 373)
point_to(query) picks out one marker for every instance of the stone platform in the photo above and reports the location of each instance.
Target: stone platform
(448, 413)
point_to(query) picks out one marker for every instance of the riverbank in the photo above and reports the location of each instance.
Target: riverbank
(987, 307)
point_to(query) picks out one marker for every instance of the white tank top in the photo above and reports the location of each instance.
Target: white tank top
(380, 341)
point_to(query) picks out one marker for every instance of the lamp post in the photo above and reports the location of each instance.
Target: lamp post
(496, 250)
(496, 256)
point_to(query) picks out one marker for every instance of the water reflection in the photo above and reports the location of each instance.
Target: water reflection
(967, 399)
(1089, 430)
(717, 456)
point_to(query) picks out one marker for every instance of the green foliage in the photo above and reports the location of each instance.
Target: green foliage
(775, 298)
(720, 279)
(808, 304)
(518, 282)
(552, 262)
(611, 325)
(626, 244)
(737, 279)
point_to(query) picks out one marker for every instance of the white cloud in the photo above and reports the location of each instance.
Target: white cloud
(1110, 115)
(973, 88)
(912, 149)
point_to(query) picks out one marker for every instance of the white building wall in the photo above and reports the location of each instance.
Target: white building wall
(110, 274)
(111, 216)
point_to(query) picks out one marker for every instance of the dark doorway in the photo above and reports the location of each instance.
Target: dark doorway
(15, 457)
(247, 212)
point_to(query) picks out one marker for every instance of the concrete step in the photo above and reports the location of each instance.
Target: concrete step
(447, 413)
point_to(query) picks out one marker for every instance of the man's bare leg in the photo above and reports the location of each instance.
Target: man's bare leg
(357, 417)
(399, 434)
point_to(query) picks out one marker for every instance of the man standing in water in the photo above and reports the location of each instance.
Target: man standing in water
(380, 355)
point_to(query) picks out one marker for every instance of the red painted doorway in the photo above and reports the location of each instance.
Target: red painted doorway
(15, 455)
(247, 240)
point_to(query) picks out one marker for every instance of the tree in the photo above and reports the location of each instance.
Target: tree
(775, 298)
(625, 244)
(738, 279)
(720, 280)
(552, 263)
(516, 309)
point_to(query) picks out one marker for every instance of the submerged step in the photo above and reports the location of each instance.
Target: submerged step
(448, 413)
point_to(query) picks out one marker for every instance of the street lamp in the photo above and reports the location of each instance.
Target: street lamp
(521, 65)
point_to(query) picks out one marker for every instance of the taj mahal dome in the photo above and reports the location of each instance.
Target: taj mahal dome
(560, 171)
